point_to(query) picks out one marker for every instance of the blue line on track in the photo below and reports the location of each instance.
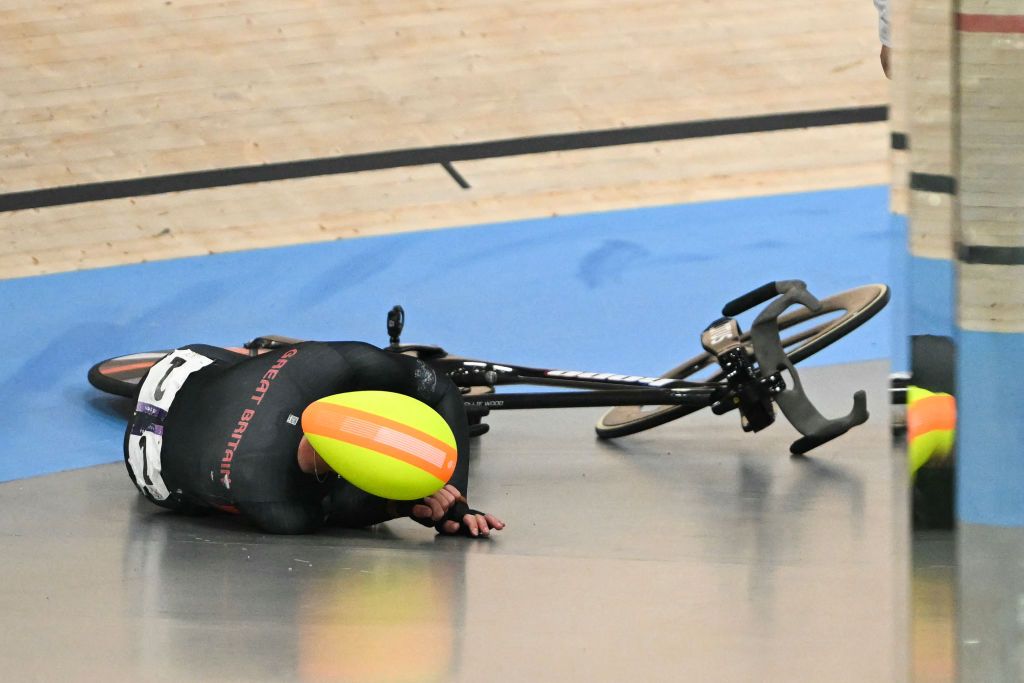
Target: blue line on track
(623, 291)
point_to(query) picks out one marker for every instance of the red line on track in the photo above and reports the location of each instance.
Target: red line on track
(990, 23)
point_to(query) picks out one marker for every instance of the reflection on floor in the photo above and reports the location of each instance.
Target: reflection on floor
(689, 552)
(933, 606)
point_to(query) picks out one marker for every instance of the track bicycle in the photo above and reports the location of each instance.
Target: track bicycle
(749, 372)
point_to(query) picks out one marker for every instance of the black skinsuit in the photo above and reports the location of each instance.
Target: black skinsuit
(231, 434)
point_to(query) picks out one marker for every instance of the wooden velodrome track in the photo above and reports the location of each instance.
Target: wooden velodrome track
(111, 91)
(281, 122)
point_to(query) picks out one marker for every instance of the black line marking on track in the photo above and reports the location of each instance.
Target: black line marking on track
(455, 175)
(374, 161)
(900, 141)
(927, 182)
(991, 256)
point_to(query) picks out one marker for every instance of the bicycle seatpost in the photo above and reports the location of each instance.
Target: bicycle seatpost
(396, 321)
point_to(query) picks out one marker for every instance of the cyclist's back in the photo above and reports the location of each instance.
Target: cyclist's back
(215, 429)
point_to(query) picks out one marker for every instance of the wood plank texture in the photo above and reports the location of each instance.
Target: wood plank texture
(111, 90)
(991, 297)
(930, 57)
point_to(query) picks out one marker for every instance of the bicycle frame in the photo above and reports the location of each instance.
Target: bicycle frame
(596, 389)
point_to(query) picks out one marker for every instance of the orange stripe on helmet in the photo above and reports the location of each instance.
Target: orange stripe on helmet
(389, 437)
(931, 413)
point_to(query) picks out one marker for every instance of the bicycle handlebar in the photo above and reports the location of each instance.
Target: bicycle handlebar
(771, 357)
(758, 296)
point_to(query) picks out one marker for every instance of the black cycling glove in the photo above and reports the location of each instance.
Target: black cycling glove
(455, 514)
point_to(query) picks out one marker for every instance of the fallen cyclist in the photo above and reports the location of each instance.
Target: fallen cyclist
(215, 429)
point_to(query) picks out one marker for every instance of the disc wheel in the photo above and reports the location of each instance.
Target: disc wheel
(121, 375)
(809, 333)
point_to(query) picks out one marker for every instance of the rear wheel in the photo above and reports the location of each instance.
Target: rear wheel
(121, 375)
(808, 333)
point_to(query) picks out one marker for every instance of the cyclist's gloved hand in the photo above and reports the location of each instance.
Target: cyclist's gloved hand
(432, 509)
(462, 519)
